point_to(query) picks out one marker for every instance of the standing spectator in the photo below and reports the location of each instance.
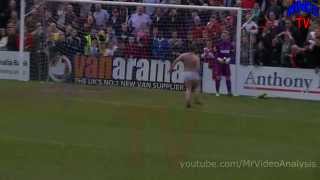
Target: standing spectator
(124, 33)
(208, 54)
(174, 21)
(247, 4)
(160, 46)
(197, 28)
(143, 43)
(109, 50)
(214, 28)
(71, 18)
(274, 23)
(264, 40)
(115, 21)
(101, 17)
(3, 39)
(120, 50)
(28, 40)
(4, 13)
(150, 10)
(111, 35)
(85, 10)
(159, 21)
(61, 15)
(313, 48)
(139, 20)
(130, 48)
(176, 45)
(12, 38)
(13, 21)
(94, 49)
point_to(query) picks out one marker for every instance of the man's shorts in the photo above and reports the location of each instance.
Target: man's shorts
(191, 76)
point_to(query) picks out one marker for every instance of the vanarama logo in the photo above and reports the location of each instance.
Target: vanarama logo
(132, 72)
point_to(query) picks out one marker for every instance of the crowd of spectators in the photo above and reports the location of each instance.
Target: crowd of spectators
(269, 36)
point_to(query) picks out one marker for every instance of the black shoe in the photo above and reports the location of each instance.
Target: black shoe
(188, 105)
(230, 94)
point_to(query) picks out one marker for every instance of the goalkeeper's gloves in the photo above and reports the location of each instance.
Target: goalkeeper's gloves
(227, 60)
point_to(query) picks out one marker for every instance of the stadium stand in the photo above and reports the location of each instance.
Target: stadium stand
(269, 36)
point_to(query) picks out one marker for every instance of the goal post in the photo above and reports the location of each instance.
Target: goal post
(85, 43)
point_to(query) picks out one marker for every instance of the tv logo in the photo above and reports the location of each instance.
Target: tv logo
(306, 6)
(303, 22)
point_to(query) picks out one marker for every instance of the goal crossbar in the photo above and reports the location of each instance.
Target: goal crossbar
(176, 6)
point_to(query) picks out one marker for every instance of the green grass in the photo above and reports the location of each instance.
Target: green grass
(66, 132)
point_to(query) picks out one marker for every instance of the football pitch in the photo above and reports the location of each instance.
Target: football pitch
(70, 132)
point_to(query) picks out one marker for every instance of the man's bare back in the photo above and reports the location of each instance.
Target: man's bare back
(191, 62)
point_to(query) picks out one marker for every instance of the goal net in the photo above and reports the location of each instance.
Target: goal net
(131, 44)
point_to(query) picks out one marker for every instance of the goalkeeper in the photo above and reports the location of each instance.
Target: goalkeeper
(222, 65)
(191, 75)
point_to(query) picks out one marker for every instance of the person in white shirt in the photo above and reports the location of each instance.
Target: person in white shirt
(150, 10)
(101, 16)
(3, 39)
(139, 20)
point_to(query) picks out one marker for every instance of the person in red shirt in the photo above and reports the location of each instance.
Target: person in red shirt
(247, 4)
(197, 29)
(28, 41)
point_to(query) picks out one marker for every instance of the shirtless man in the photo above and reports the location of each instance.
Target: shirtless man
(191, 75)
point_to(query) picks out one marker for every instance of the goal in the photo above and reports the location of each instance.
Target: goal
(130, 44)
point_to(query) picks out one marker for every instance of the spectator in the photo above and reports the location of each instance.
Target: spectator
(197, 28)
(150, 10)
(3, 39)
(213, 28)
(247, 4)
(85, 10)
(115, 21)
(176, 45)
(208, 54)
(124, 32)
(94, 49)
(174, 21)
(12, 38)
(264, 46)
(286, 41)
(120, 50)
(159, 21)
(70, 16)
(143, 43)
(109, 50)
(111, 35)
(61, 15)
(131, 48)
(160, 46)
(4, 13)
(139, 20)
(28, 40)
(13, 21)
(101, 17)
(54, 34)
